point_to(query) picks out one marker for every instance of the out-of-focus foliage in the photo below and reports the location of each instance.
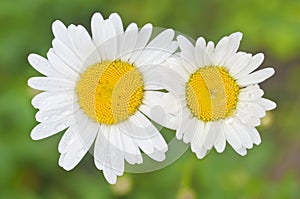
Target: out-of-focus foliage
(28, 169)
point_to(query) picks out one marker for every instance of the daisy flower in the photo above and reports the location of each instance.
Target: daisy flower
(100, 90)
(219, 94)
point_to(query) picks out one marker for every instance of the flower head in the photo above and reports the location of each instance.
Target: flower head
(100, 89)
(220, 97)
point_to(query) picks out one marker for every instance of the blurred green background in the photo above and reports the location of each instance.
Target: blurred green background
(29, 169)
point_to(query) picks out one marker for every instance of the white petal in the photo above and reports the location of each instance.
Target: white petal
(66, 54)
(185, 64)
(106, 41)
(266, 104)
(56, 114)
(143, 38)
(161, 54)
(254, 135)
(145, 135)
(81, 133)
(42, 65)
(250, 93)
(141, 123)
(201, 153)
(187, 50)
(60, 31)
(176, 64)
(173, 82)
(209, 53)
(70, 159)
(226, 47)
(213, 133)
(242, 151)
(208, 135)
(255, 62)
(158, 156)
(73, 153)
(243, 134)
(110, 175)
(160, 147)
(119, 31)
(234, 41)
(256, 77)
(232, 137)
(128, 41)
(190, 130)
(152, 76)
(160, 107)
(86, 131)
(221, 50)
(163, 39)
(220, 142)
(66, 140)
(246, 118)
(137, 129)
(196, 141)
(47, 129)
(155, 47)
(153, 87)
(53, 100)
(116, 150)
(101, 148)
(238, 62)
(167, 100)
(50, 84)
(159, 142)
(252, 109)
(152, 79)
(102, 154)
(186, 117)
(83, 46)
(96, 27)
(200, 51)
(117, 22)
(132, 153)
(61, 67)
(104, 35)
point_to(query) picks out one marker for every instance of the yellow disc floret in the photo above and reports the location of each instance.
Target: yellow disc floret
(111, 91)
(211, 93)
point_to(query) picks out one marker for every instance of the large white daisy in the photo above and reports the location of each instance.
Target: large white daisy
(100, 89)
(219, 93)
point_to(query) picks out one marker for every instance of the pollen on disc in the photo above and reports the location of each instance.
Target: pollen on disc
(211, 93)
(111, 91)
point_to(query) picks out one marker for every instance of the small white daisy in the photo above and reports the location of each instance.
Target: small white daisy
(219, 93)
(100, 89)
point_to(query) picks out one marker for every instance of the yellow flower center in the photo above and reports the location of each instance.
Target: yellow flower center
(211, 93)
(111, 91)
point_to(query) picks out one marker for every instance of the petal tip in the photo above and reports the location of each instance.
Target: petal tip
(34, 136)
(238, 35)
